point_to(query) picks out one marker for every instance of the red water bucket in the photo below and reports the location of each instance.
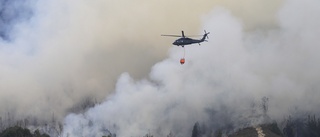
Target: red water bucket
(182, 61)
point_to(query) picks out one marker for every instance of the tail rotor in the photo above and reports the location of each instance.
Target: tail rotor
(206, 34)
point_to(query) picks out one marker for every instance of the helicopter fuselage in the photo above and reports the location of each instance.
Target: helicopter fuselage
(185, 41)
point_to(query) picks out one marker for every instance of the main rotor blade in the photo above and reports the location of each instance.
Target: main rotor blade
(172, 35)
(194, 35)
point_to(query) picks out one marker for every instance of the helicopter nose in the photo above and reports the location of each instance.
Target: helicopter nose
(175, 43)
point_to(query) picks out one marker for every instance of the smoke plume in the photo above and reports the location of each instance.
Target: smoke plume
(56, 54)
(220, 80)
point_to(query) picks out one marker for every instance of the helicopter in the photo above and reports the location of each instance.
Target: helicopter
(184, 40)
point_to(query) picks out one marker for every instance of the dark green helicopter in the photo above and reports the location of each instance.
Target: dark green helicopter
(187, 41)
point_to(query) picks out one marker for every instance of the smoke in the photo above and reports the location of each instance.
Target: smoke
(220, 80)
(56, 54)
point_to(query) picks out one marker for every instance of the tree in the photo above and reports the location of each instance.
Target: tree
(170, 134)
(148, 135)
(16, 132)
(264, 105)
(288, 129)
(313, 126)
(1, 124)
(196, 130)
(218, 133)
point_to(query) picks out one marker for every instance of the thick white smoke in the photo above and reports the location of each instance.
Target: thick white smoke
(56, 54)
(220, 79)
